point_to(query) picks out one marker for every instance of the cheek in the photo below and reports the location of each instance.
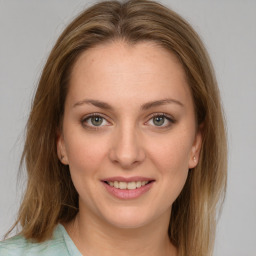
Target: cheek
(171, 158)
(85, 153)
(86, 156)
(171, 154)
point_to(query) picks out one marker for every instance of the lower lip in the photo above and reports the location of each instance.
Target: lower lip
(128, 193)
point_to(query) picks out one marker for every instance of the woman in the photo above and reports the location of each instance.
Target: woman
(126, 147)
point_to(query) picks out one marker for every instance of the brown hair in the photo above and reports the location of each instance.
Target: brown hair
(50, 196)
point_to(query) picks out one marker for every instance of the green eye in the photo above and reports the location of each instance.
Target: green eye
(96, 120)
(159, 120)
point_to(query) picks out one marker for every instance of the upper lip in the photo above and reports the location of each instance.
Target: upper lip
(127, 179)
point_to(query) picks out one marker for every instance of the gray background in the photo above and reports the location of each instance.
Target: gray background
(28, 30)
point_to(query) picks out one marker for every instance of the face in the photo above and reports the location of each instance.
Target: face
(129, 132)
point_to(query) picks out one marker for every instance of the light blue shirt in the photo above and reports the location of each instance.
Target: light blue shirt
(60, 245)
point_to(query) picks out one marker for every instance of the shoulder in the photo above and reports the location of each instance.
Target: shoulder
(19, 246)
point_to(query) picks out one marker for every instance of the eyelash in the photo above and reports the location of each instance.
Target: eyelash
(85, 119)
(169, 118)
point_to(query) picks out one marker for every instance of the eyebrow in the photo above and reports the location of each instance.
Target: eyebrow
(157, 103)
(146, 106)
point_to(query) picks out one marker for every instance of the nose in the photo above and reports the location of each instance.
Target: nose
(126, 149)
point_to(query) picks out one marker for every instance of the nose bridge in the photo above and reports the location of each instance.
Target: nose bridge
(127, 136)
(127, 148)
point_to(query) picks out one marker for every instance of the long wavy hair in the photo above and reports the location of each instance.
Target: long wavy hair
(50, 197)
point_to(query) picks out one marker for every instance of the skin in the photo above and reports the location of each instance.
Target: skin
(127, 143)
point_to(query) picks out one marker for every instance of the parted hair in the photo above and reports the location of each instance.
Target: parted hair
(50, 196)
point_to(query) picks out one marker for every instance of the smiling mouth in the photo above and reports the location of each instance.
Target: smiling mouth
(127, 185)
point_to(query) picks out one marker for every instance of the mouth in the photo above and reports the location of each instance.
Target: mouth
(128, 188)
(128, 185)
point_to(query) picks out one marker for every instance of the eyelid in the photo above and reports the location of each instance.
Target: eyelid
(84, 118)
(170, 118)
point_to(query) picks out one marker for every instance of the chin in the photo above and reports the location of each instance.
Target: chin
(129, 219)
(126, 223)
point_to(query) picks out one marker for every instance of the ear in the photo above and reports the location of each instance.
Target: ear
(61, 149)
(196, 148)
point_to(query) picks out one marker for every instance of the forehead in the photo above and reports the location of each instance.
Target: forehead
(138, 71)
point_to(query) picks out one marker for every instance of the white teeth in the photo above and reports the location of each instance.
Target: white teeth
(138, 184)
(122, 185)
(127, 185)
(116, 184)
(131, 185)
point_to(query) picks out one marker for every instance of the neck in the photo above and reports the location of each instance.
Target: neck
(93, 237)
